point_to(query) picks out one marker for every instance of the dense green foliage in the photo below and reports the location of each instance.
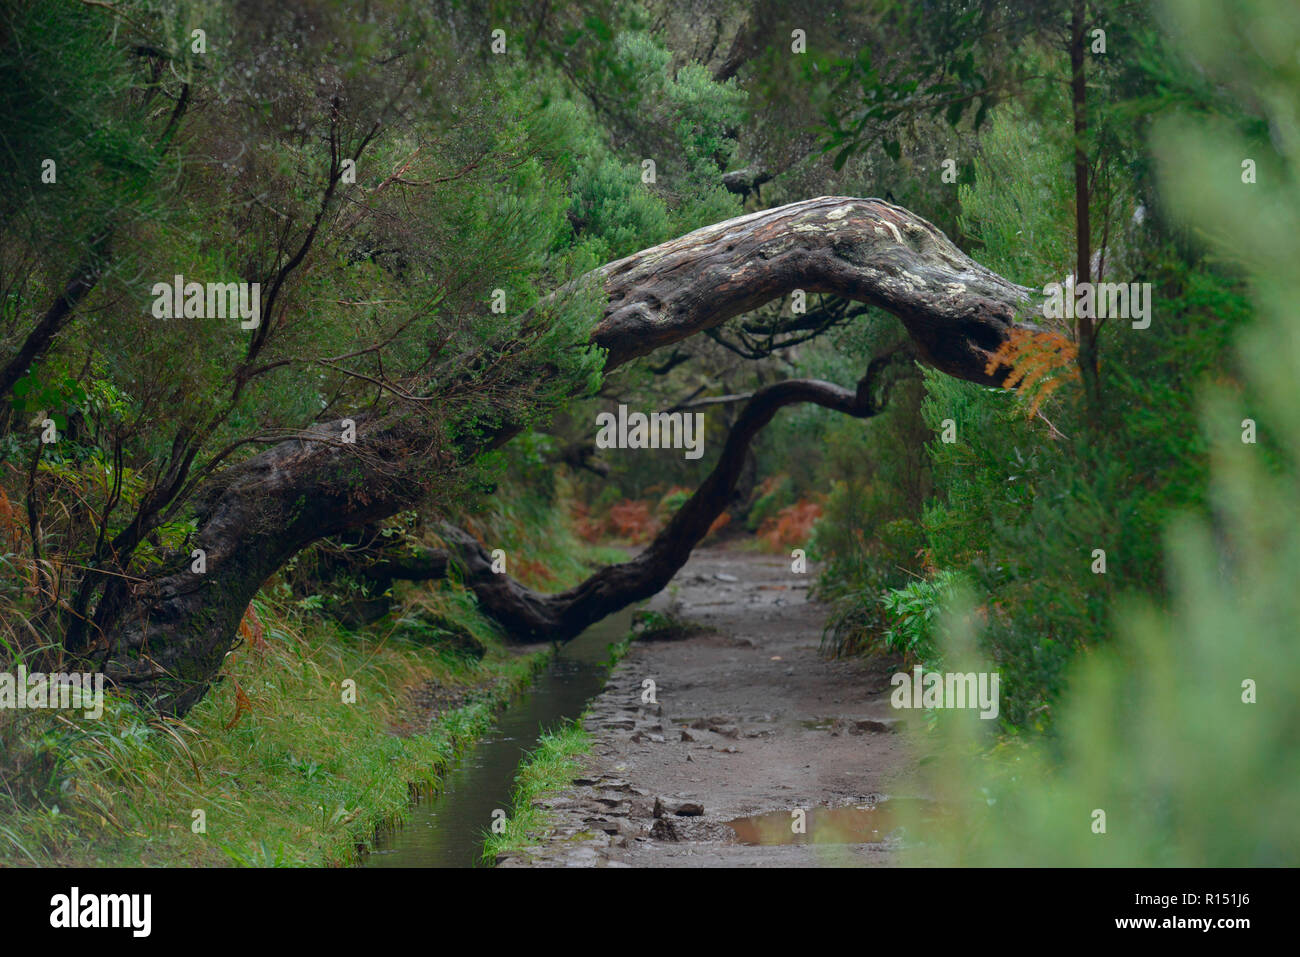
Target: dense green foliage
(1029, 485)
(1182, 731)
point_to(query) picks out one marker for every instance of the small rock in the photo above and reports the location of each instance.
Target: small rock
(663, 830)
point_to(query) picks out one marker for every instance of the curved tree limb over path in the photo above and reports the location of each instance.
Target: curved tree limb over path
(167, 636)
(956, 311)
(531, 615)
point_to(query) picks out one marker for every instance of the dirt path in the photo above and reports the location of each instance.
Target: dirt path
(748, 720)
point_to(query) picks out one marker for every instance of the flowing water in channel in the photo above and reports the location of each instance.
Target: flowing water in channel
(447, 830)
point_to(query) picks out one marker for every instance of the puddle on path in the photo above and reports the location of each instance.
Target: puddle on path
(855, 824)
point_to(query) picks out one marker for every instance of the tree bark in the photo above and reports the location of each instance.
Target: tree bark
(956, 311)
(1086, 327)
(167, 637)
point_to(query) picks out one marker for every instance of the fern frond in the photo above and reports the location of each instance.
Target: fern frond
(1040, 363)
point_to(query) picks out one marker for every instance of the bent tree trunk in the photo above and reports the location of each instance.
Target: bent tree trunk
(561, 616)
(166, 637)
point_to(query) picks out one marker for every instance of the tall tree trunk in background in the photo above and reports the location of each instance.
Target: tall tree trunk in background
(1086, 327)
(167, 637)
(84, 279)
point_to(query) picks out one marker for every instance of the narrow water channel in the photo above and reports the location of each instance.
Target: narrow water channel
(447, 830)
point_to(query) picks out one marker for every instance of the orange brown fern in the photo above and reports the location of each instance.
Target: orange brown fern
(1040, 363)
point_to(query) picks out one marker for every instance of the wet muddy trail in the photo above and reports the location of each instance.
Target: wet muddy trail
(755, 752)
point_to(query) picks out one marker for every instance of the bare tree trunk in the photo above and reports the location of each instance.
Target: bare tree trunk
(83, 280)
(1086, 329)
(167, 637)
